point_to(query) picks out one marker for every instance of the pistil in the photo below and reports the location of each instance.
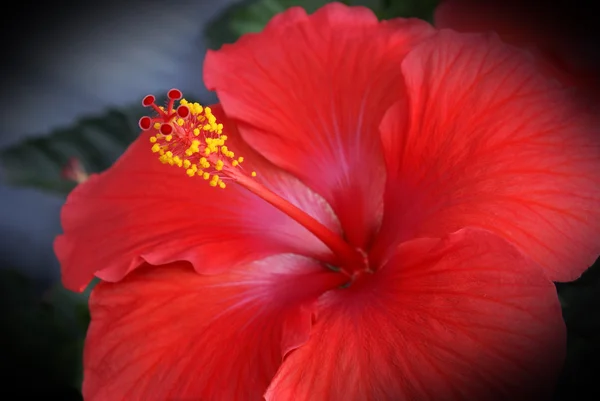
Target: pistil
(190, 137)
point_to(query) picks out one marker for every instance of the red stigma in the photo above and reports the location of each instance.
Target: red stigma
(174, 94)
(145, 123)
(166, 129)
(148, 101)
(183, 111)
(165, 115)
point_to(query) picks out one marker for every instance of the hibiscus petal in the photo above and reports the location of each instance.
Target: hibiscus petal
(309, 92)
(464, 318)
(486, 141)
(168, 333)
(141, 210)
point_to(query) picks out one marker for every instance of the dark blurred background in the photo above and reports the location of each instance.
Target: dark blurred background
(73, 74)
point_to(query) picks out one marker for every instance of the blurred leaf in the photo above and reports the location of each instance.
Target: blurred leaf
(252, 15)
(96, 141)
(72, 305)
(42, 337)
(422, 9)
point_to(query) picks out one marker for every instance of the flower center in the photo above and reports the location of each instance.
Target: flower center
(189, 137)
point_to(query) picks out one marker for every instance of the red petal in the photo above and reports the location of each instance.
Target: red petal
(141, 210)
(466, 318)
(309, 92)
(487, 142)
(167, 333)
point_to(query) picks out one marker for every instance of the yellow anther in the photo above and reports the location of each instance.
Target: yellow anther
(196, 143)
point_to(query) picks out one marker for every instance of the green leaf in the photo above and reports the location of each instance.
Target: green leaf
(96, 141)
(422, 9)
(252, 15)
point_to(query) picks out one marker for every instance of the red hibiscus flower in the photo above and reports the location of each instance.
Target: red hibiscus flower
(563, 49)
(375, 211)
